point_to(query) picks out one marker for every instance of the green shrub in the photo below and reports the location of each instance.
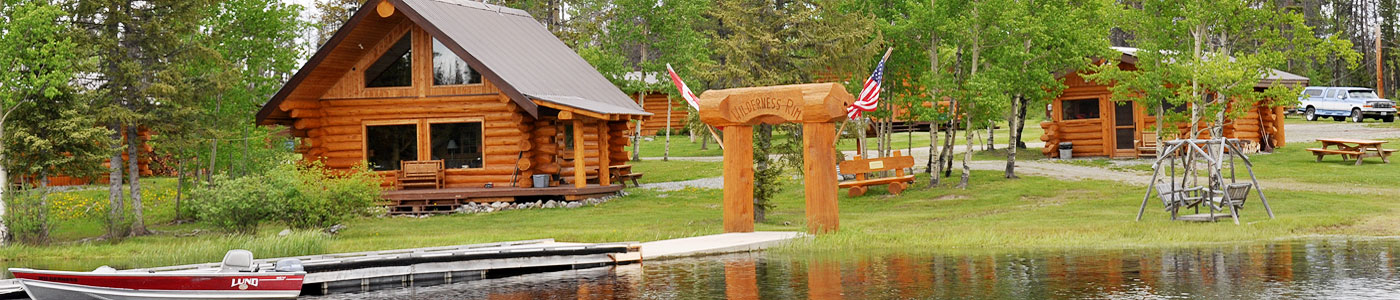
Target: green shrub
(322, 197)
(299, 195)
(26, 216)
(236, 204)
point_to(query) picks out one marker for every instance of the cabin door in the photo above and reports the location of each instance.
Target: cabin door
(1124, 130)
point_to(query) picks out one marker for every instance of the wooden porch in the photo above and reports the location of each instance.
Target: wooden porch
(445, 200)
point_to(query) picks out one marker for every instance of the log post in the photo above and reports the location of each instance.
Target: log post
(819, 176)
(580, 174)
(604, 174)
(738, 178)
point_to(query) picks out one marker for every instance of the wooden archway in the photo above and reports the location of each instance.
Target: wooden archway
(817, 106)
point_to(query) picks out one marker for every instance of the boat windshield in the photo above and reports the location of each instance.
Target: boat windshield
(1362, 94)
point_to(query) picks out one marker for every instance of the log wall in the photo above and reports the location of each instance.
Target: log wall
(656, 104)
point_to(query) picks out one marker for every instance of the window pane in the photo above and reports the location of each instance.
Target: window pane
(1123, 114)
(448, 69)
(386, 146)
(395, 68)
(458, 145)
(1081, 109)
(1125, 138)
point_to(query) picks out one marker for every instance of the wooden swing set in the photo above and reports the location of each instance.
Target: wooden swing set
(1192, 157)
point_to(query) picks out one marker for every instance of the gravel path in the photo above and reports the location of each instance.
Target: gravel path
(702, 183)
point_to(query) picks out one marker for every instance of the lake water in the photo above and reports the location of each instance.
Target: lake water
(1319, 269)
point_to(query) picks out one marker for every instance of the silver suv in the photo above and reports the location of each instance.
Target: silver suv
(1342, 103)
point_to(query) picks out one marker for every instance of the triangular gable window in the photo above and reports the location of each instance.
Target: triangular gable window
(448, 69)
(394, 68)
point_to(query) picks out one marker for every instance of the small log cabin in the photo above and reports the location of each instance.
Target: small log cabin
(1086, 116)
(656, 103)
(483, 92)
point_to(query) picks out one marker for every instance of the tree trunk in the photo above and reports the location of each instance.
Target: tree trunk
(991, 135)
(935, 165)
(133, 166)
(1021, 123)
(948, 141)
(1015, 136)
(214, 143)
(704, 141)
(967, 153)
(43, 207)
(4, 187)
(666, 154)
(179, 185)
(116, 214)
(243, 160)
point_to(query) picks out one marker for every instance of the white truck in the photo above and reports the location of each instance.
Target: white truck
(1343, 103)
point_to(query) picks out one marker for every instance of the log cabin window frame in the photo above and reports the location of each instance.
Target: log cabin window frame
(432, 66)
(1098, 102)
(412, 61)
(427, 127)
(364, 140)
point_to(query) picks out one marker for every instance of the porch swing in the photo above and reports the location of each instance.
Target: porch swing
(1185, 161)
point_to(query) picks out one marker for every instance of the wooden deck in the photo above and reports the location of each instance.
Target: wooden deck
(427, 201)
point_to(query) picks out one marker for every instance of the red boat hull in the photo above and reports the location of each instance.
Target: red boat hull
(175, 285)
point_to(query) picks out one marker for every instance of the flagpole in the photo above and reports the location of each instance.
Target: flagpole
(860, 137)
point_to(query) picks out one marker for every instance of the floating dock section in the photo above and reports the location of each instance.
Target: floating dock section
(376, 270)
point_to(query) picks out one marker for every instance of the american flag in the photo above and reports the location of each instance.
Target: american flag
(685, 90)
(870, 94)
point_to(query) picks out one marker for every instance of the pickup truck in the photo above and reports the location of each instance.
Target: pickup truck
(1343, 103)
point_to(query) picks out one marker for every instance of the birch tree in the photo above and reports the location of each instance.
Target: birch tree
(39, 58)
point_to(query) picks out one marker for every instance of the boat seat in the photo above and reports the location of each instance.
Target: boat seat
(104, 270)
(237, 260)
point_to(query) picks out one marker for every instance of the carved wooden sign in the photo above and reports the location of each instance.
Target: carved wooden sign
(800, 103)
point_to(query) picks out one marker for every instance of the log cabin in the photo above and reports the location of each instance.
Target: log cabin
(143, 163)
(475, 97)
(1086, 116)
(657, 103)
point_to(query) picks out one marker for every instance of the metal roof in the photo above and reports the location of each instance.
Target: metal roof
(1275, 76)
(522, 52)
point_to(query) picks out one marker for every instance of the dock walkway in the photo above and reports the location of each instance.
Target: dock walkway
(372, 270)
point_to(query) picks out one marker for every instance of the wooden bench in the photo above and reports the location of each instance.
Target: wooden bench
(421, 174)
(860, 167)
(622, 173)
(1346, 154)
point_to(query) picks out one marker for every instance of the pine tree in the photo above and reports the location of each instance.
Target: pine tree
(141, 47)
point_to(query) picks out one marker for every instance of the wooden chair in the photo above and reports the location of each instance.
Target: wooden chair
(421, 174)
(1174, 198)
(1147, 145)
(860, 167)
(1234, 195)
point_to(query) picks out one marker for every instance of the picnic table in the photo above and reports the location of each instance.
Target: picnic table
(1352, 148)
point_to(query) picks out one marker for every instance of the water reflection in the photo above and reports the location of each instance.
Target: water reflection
(1311, 269)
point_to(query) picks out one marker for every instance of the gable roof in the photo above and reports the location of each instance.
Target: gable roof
(509, 48)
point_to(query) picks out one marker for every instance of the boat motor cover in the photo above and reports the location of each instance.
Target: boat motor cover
(289, 265)
(238, 260)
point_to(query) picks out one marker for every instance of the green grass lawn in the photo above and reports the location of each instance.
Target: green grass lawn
(992, 215)
(656, 170)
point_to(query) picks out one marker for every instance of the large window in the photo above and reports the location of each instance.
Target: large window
(458, 145)
(394, 68)
(386, 146)
(448, 69)
(1080, 109)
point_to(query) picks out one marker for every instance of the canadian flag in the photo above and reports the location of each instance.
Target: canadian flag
(685, 90)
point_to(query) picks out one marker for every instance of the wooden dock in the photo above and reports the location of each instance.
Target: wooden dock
(374, 270)
(429, 201)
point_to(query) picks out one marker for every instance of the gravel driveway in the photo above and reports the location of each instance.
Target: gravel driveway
(1311, 131)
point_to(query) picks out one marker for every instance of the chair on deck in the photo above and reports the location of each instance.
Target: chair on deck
(421, 174)
(1173, 198)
